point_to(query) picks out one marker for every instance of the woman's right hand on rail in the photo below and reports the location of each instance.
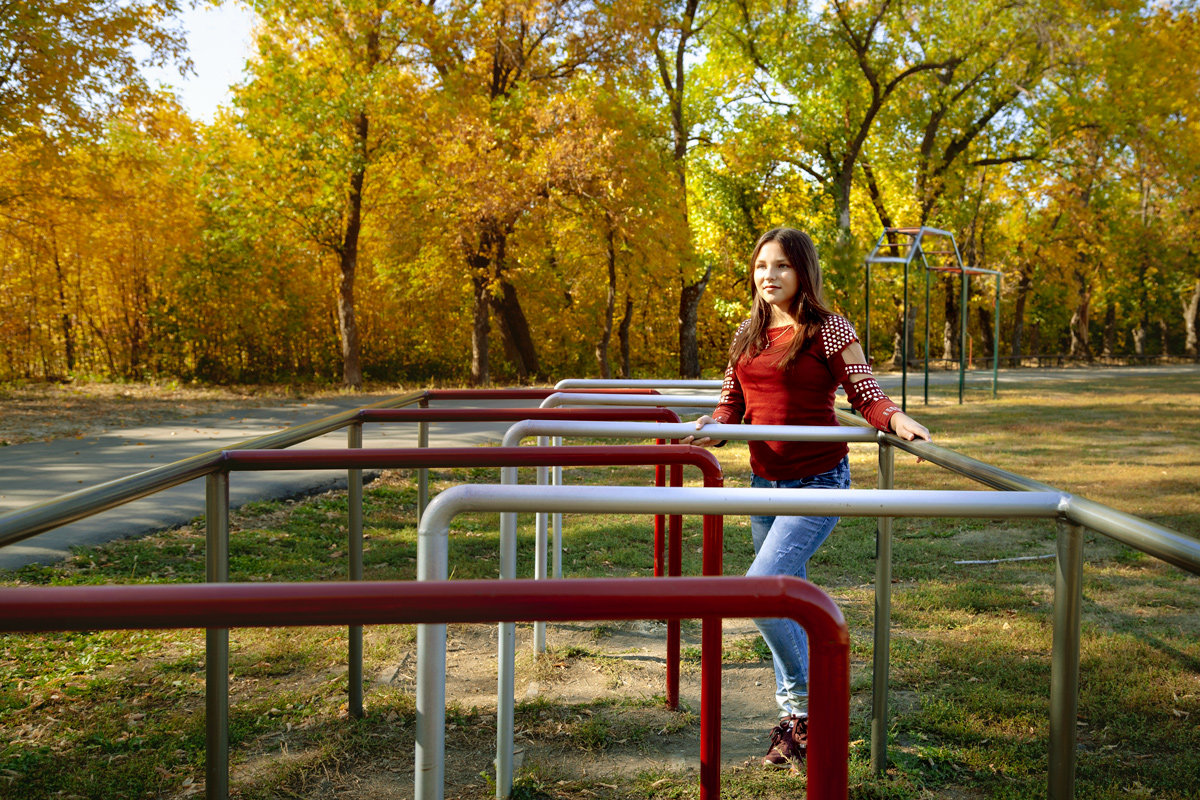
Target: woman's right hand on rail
(700, 441)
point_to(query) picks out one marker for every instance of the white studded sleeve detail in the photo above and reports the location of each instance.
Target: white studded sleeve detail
(837, 334)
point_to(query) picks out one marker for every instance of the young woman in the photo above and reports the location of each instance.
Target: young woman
(785, 364)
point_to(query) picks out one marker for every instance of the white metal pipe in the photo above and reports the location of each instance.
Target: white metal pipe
(679, 430)
(559, 399)
(506, 653)
(635, 383)
(430, 774)
(557, 481)
(433, 534)
(541, 549)
(655, 430)
(654, 401)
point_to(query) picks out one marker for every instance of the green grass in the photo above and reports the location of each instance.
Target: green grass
(120, 714)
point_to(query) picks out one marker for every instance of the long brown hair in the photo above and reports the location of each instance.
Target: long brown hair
(807, 306)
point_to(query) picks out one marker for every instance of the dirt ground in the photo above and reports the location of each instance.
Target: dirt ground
(630, 665)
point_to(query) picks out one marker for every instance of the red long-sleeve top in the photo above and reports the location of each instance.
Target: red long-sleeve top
(756, 392)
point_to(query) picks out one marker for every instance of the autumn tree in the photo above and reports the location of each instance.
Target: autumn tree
(65, 65)
(323, 78)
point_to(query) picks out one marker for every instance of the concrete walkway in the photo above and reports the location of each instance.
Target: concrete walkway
(39, 471)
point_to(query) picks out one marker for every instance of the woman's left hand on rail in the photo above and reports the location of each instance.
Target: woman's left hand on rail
(700, 441)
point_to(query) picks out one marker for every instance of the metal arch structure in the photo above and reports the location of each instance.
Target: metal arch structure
(947, 259)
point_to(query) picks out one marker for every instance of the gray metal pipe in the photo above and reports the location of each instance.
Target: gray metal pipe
(1064, 661)
(354, 499)
(216, 640)
(422, 473)
(1148, 537)
(433, 555)
(881, 654)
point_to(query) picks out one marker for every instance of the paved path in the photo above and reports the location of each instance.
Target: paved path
(39, 471)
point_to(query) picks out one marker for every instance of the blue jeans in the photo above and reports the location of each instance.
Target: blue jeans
(782, 546)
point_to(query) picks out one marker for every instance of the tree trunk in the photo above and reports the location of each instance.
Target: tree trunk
(479, 261)
(898, 331)
(64, 314)
(950, 326)
(1191, 310)
(348, 256)
(1110, 329)
(984, 313)
(479, 332)
(513, 323)
(689, 313)
(515, 327)
(1080, 319)
(1023, 286)
(609, 304)
(1164, 334)
(1139, 338)
(623, 336)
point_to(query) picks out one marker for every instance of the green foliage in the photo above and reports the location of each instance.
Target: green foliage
(442, 191)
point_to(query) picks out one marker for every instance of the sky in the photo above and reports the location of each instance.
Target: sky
(219, 41)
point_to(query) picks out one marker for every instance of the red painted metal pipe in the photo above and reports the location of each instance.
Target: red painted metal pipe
(607, 414)
(676, 456)
(233, 605)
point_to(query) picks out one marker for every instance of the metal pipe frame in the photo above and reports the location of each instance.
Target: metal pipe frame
(599, 397)
(256, 604)
(433, 565)
(674, 433)
(425, 415)
(915, 248)
(509, 459)
(1145, 536)
(1078, 514)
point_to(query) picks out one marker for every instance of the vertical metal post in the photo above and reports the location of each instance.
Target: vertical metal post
(710, 670)
(962, 335)
(429, 764)
(660, 534)
(354, 440)
(904, 342)
(883, 617)
(556, 476)
(216, 640)
(926, 336)
(506, 653)
(423, 472)
(541, 549)
(996, 341)
(1064, 661)
(675, 568)
(867, 332)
